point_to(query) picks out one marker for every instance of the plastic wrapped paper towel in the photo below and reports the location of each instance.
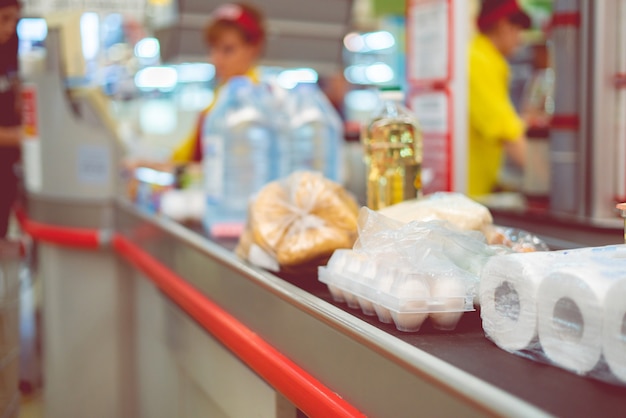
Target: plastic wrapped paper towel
(508, 292)
(570, 316)
(566, 308)
(614, 330)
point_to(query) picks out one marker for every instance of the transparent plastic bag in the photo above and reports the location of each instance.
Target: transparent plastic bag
(299, 220)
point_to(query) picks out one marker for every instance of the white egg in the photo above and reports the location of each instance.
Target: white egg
(384, 314)
(366, 306)
(351, 299)
(450, 293)
(413, 308)
(336, 293)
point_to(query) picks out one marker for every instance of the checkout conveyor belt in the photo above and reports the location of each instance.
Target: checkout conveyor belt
(381, 371)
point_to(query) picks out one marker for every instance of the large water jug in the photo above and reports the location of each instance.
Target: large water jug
(315, 132)
(240, 150)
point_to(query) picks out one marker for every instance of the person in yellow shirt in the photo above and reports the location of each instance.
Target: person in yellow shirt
(495, 128)
(236, 38)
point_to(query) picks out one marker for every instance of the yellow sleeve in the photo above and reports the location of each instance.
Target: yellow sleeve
(184, 151)
(491, 112)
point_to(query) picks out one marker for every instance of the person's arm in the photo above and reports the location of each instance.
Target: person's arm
(10, 136)
(516, 151)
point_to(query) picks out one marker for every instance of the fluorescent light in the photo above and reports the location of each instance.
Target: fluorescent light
(376, 41)
(90, 35)
(147, 48)
(355, 74)
(195, 72)
(158, 117)
(161, 78)
(354, 42)
(288, 79)
(32, 29)
(368, 42)
(379, 73)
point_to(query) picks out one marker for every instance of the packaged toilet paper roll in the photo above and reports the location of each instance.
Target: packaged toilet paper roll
(507, 294)
(614, 330)
(570, 310)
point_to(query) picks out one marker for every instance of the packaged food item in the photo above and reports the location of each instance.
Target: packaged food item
(408, 273)
(392, 144)
(299, 220)
(456, 208)
(465, 214)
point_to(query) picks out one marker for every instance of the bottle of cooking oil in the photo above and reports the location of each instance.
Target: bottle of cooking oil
(392, 142)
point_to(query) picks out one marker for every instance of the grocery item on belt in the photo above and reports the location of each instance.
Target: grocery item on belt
(408, 273)
(456, 208)
(563, 308)
(466, 214)
(298, 220)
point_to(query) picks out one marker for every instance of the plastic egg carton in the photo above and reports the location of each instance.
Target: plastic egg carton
(403, 295)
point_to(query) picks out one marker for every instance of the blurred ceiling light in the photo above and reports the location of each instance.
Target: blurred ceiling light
(161, 78)
(368, 42)
(32, 29)
(288, 79)
(379, 73)
(147, 48)
(158, 117)
(362, 100)
(376, 41)
(354, 42)
(90, 34)
(195, 72)
(355, 74)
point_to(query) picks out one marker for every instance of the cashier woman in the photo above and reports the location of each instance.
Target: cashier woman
(495, 128)
(236, 37)
(10, 112)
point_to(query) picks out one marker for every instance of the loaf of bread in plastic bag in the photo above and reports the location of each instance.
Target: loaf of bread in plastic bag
(300, 219)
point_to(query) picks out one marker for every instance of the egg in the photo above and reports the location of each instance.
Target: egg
(367, 307)
(336, 293)
(450, 294)
(413, 307)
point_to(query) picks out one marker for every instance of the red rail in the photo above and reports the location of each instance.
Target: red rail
(302, 389)
(68, 237)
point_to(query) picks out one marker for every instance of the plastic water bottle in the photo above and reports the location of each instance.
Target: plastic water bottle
(393, 153)
(240, 150)
(316, 132)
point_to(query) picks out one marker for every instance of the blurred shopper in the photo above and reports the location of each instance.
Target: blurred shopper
(495, 128)
(10, 110)
(235, 36)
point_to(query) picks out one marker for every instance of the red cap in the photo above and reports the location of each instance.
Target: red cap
(241, 17)
(493, 10)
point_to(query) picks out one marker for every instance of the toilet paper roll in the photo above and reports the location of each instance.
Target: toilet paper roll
(614, 330)
(570, 316)
(507, 293)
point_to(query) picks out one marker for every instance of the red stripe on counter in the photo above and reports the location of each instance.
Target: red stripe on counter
(65, 236)
(302, 389)
(565, 122)
(620, 80)
(565, 19)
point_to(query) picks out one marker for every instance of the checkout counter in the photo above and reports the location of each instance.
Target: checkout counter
(147, 317)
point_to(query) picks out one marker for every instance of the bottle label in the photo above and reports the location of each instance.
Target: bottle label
(213, 167)
(243, 116)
